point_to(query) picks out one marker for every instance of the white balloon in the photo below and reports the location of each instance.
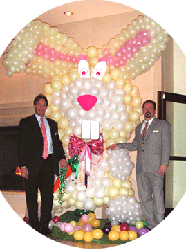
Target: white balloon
(90, 192)
(99, 192)
(70, 187)
(72, 113)
(88, 204)
(81, 195)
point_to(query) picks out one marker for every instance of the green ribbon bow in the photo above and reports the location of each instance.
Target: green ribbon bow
(74, 163)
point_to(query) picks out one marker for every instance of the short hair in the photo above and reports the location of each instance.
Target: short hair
(154, 104)
(40, 96)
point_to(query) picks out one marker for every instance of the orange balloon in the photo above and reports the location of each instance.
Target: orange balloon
(91, 217)
(95, 223)
(124, 235)
(132, 235)
(78, 235)
(80, 223)
(113, 235)
(97, 233)
(115, 228)
(88, 237)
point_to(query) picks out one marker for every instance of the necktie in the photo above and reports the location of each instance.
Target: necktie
(144, 132)
(45, 142)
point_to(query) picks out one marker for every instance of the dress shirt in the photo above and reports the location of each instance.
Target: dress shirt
(49, 138)
(144, 123)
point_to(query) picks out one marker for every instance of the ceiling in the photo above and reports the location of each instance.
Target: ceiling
(83, 10)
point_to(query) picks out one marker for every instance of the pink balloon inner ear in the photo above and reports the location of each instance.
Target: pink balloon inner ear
(87, 101)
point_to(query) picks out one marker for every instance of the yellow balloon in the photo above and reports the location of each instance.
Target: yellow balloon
(115, 74)
(131, 192)
(47, 88)
(110, 142)
(61, 133)
(128, 87)
(56, 116)
(114, 133)
(65, 204)
(91, 217)
(132, 235)
(78, 235)
(95, 223)
(68, 131)
(93, 61)
(124, 235)
(115, 228)
(49, 98)
(106, 78)
(71, 203)
(56, 85)
(121, 140)
(105, 134)
(97, 234)
(73, 74)
(136, 101)
(128, 127)
(135, 91)
(79, 204)
(120, 83)
(63, 123)
(127, 99)
(112, 192)
(113, 235)
(48, 112)
(134, 116)
(126, 184)
(138, 109)
(65, 196)
(124, 191)
(88, 237)
(123, 133)
(53, 108)
(65, 79)
(129, 109)
(116, 183)
(98, 202)
(92, 51)
(65, 140)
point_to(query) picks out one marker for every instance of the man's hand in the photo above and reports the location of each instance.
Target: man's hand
(62, 163)
(112, 147)
(162, 170)
(24, 172)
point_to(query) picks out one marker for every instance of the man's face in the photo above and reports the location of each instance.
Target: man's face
(149, 111)
(40, 107)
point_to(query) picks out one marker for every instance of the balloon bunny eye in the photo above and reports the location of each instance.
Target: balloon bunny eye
(83, 69)
(99, 70)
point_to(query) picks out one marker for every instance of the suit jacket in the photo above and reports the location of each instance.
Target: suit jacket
(155, 149)
(30, 144)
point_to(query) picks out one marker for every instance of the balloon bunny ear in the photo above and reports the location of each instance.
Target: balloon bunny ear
(99, 70)
(83, 69)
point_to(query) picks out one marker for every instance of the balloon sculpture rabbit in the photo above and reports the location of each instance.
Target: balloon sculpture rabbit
(91, 88)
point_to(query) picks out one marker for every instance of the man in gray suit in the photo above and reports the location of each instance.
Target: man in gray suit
(153, 144)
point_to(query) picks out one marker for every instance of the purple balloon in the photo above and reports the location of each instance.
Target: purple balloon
(143, 231)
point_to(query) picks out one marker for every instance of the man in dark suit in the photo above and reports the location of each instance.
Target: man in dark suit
(39, 154)
(153, 145)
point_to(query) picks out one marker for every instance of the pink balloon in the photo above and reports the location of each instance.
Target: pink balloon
(77, 228)
(62, 226)
(68, 228)
(87, 227)
(84, 218)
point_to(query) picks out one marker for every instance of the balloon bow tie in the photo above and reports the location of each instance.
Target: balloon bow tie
(76, 145)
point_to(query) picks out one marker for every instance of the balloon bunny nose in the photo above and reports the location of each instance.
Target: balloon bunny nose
(87, 101)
